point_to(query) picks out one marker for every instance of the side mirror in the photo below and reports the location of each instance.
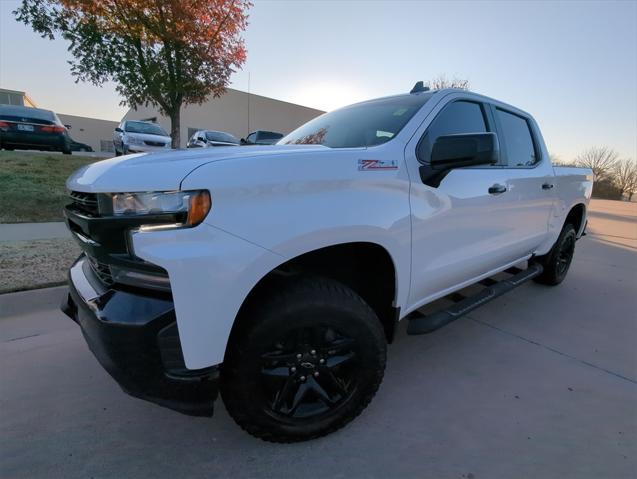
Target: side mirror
(457, 151)
(119, 130)
(68, 127)
(201, 138)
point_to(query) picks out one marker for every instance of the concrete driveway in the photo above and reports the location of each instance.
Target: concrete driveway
(541, 383)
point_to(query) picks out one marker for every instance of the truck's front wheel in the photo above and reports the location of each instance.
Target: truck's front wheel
(304, 362)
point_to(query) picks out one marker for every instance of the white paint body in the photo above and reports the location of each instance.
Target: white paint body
(271, 204)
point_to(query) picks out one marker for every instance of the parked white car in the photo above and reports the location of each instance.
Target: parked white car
(133, 136)
(277, 274)
(210, 138)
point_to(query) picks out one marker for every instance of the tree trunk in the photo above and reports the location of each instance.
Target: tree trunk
(175, 127)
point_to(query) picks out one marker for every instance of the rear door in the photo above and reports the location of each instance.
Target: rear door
(530, 177)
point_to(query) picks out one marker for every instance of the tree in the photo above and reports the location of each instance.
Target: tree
(167, 53)
(441, 82)
(600, 159)
(625, 176)
(557, 161)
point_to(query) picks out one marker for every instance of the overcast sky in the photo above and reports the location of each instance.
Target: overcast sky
(573, 65)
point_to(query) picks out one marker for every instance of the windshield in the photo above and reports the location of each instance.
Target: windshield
(364, 124)
(220, 136)
(144, 127)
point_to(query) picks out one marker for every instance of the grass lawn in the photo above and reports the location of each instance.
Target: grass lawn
(35, 264)
(32, 184)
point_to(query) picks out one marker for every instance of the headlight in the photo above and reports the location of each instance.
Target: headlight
(189, 207)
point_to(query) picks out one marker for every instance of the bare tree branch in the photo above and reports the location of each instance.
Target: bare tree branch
(441, 82)
(600, 159)
(625, 177)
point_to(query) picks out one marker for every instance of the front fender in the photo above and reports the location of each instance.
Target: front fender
(294, 204)
(211, 272)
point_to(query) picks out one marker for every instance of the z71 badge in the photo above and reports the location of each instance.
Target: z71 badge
(364, 165)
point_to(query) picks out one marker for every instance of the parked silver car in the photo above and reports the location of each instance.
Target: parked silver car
(210, 138)
(134, 136)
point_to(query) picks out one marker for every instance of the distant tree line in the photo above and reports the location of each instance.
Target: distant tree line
(615, 178)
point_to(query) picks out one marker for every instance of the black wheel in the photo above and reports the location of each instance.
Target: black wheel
(303, 362)
(557, 261)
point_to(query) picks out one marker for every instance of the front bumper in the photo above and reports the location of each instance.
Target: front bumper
(146, 148)
(134, 336)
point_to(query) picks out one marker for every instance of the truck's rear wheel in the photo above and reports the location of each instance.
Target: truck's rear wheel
(557, 262)
(304, 362)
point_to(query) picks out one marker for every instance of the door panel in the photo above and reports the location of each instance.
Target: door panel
(460, 230)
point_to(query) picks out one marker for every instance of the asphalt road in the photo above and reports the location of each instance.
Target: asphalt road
(541, 383)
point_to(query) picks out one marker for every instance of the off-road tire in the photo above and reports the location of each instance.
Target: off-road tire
(306, 303)
(557, 262)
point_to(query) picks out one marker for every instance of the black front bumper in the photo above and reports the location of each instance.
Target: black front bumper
(134, 336)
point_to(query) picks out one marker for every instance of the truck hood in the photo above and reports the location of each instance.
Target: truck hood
(164, 171)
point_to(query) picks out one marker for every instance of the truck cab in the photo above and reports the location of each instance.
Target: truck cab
(276, 274)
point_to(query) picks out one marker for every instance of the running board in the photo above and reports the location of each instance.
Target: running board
(423, 324)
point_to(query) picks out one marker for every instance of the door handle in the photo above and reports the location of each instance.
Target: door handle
(547, 186)
(497, 189)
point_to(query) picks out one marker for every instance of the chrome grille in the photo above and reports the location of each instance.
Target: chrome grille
(101, 270)
(85, 202)
(155, 143)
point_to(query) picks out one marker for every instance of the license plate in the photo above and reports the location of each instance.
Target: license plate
(25, 127)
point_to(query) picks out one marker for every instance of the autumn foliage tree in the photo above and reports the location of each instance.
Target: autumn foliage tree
(167, 53)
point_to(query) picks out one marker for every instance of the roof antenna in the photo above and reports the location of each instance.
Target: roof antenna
(419, 87)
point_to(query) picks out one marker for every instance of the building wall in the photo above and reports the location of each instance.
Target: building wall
(235, 112)
(94, 132)
(14, 97)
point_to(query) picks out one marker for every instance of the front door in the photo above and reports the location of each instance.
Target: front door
(464, 227)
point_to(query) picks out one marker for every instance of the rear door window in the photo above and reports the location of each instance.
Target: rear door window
(518, 139)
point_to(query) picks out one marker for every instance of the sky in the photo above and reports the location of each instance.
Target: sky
(572, 65)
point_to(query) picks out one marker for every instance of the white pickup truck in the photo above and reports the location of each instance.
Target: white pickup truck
(276, 274)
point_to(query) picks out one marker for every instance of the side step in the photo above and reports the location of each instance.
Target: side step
(421, 324)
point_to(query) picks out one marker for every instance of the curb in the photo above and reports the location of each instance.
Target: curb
(26, 302)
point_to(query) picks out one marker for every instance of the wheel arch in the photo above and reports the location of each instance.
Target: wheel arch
(365, 267)
(577, 217)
